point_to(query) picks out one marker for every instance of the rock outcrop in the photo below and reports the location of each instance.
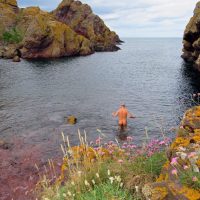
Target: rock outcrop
(82, 20)
(180, 175)
(70, 30)
(191, 39)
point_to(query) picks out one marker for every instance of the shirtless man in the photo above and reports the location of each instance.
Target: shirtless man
(122, 114)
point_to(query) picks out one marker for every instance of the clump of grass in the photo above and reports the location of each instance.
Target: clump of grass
(190, 179)
(12, 36)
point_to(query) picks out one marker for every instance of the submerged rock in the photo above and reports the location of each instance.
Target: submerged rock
(70, 30)
(191, 39)
(71, 120)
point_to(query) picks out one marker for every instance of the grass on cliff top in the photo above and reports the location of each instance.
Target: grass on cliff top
(117, 172)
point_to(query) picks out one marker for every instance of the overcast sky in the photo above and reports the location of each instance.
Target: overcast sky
(135, 18)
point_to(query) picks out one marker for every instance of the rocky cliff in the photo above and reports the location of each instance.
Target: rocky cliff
(71, 29)
(191, 39)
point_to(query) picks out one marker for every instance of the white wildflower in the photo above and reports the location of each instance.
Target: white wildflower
(64, 195)
(118, 179)
(108, 172)
(72, 183)
(79, 173)
(97, 175)
(136, 188)
(121, 185)
(93, 181)
(111, 179)
(69, 193)
(86, 183)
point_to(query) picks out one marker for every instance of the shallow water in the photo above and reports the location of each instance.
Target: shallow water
(147, 74)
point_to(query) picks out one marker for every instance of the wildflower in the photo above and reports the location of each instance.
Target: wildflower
(86, 183)
(192, 155)
(181, 127)
(108, 172)
(121, 185)
(97, 175)
(174, 161)
(69, 193)
(46, 199)
(185, 167)
(118, 179)
(194, 95)
(198, 94)
(111, 179)
(174, 172)
(93, 181)
(64, 195)
(162, 142)
(136, 188)
(129, 139)
(72, 183)
(194, 179)
(79, 173)
(120, 161)
(98, 140)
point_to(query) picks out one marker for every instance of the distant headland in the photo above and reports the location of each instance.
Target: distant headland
(72, 29)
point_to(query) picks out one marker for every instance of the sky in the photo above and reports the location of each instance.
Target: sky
(135, 18)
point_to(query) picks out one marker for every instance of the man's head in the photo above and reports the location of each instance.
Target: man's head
(123, 105)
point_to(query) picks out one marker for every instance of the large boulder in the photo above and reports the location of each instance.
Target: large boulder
(84, 22)
(45, 37)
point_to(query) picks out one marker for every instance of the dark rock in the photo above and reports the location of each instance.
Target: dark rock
(16, 59)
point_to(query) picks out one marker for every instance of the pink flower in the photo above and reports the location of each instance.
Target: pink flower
(174, 161)
(194, 95)
(194, 179)
(198, 94)
(120, 161)
(174, 172)
(181, 127)
(129, 139)
(161, 142)
(192, 155)
(98, 140)
(185, 167)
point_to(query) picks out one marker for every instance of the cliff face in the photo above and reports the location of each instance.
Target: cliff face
(71, 29)
(191, 39)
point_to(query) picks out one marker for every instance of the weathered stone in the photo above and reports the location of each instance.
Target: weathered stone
(16, 59)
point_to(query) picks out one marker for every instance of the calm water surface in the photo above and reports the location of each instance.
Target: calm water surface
(147, 74)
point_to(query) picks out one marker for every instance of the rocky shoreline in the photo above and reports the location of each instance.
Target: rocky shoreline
(72, 29)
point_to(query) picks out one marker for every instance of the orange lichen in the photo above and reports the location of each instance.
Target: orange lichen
(180, 141)
(159, 193)
(191, 194)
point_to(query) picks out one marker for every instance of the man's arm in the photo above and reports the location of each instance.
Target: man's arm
(130, 115)
(115, 114)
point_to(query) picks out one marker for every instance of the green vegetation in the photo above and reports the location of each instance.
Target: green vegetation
(104, 172)
(190, 179)
(12, 36)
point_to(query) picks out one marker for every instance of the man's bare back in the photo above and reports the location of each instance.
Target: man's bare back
(122, 114)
